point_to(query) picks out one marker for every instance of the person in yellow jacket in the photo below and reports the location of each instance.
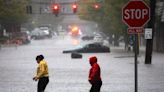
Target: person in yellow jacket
(41, 74)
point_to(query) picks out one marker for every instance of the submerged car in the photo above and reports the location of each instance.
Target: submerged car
(87, 37)
(90, 48)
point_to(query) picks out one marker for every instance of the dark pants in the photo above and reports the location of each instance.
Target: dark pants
(42, 84)
(96, 87)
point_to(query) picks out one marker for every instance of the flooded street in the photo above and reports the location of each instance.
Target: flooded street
(18, 66)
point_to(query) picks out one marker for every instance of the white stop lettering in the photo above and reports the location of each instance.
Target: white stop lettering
(135, 13)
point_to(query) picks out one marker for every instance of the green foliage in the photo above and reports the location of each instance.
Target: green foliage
(3, 39)
(114, 13)
(13, 11)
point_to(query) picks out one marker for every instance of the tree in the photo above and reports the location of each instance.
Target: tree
(13, 14)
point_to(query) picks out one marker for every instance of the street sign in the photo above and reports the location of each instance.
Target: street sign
(135, 13)
(148, 33)
(133, 30)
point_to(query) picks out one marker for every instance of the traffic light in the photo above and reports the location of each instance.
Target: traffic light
(56, 9)
(74, 8)
(96, 6)
(29, 9)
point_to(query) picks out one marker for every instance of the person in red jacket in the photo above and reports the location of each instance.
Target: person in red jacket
(94, 75)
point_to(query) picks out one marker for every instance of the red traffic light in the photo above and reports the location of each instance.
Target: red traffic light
(96, 6)
(74, 8)
(55, 6)
(55, 9)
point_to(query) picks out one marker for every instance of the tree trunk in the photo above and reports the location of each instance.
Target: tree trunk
(160, 37)
(116, 40)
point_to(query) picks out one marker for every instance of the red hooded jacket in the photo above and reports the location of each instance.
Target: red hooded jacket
(95, 72)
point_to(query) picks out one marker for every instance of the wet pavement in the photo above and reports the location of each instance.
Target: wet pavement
(18, 66)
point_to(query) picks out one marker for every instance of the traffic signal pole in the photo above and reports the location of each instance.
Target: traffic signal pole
(151, 24)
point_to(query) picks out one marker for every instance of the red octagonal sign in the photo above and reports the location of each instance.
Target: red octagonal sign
(136, 13)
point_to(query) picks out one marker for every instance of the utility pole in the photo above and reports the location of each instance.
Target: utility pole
(151, 24)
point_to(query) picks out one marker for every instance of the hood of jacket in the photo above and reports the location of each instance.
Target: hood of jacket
(93, 60)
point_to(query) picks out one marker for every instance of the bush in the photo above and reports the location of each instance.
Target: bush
(3, 39)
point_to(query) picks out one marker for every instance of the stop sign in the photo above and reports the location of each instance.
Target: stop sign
(135, 13)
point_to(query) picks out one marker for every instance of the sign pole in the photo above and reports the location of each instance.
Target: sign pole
(136, 63)
(135, 14)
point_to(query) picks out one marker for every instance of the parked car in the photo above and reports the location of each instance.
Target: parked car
(90, 48)
(38, 33)
(46, 31)
(22, 37)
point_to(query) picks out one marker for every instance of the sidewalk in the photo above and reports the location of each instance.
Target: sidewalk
(122, 53)
(150, 76)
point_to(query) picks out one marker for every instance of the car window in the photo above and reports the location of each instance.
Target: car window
(93, 46)
(86, 46)
(98, 45)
